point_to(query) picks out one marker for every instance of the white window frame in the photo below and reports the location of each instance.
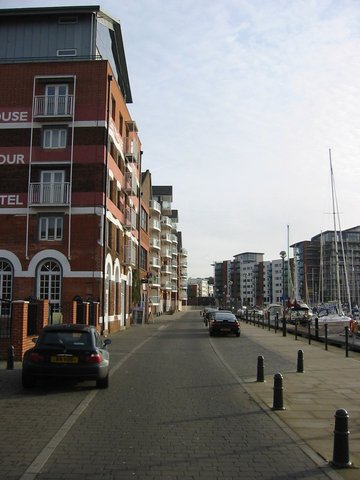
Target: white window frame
(49, 280)
(56, 99)
(54, 138)
(48, 224)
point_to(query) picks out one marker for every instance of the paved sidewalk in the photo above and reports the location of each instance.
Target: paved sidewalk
(329, 382)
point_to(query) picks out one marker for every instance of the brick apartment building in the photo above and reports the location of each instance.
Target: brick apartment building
(70, 162)
(75, 210)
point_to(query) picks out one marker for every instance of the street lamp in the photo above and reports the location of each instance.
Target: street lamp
(283, 255)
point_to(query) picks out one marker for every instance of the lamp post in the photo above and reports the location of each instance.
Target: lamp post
(283, 255)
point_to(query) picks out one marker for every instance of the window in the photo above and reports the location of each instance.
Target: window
(54, 138)
(66, 52)
(51, 228)
(143, 258)
(56, 102)
(52, 186)
(113, 108)
(6, 280)
(121, 124)
(144, 220)
(49, 283)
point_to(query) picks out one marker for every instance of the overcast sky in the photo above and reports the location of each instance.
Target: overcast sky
(237, 104)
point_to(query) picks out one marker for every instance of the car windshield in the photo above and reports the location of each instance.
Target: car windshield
(66, 339)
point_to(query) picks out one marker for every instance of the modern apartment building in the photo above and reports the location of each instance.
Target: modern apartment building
(168, 264)
(70, 162)
(316, 263)
(250, 281)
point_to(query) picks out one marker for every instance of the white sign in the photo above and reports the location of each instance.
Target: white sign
(11, 159)
(14, 117)
(10, 200)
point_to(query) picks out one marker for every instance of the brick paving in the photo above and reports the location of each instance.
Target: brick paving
(179, 406)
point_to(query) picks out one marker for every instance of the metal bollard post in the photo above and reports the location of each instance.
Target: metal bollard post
(296, 329)
(276, 322)
(346, 341)
(10, 358)
(326, 336)
(284, 326)
(278, 392)
(260, 369)
(316, 329)
(341, 440)
(269, 326)
(300, 362)
(309, 331)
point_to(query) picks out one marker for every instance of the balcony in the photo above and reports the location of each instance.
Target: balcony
(53, 106)
(155, 243)
(155, 224)
(49, 194)
(130, 218)
(154, 205)
(154, 281)
(131, 150)
(166, 222)
(174, 239)
(166, 269)
(166, 253)
(166, 237)
(130, 186)
(183, 252)
(130, 254)
(165, 285)
(155, 262)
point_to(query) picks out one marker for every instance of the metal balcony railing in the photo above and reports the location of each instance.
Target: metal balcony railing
(56, 193)
(53, 106)
(154, 205)
(155, 224)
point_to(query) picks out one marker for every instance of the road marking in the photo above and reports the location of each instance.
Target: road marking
(35, 468)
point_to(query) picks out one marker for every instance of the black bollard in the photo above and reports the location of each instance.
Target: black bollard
(346, 341)
(296, 329)
(276, 322)
(278, 392)
(10, 358)
(309, 331)
(326, 336)
(284, 326)
(341, 440)
(300, 362)
(316, 329)
(260, 369)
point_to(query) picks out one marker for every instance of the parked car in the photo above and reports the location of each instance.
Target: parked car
(67, 351)
(207, 312)
(222, 323)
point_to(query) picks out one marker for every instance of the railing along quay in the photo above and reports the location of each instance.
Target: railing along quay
(342, 338)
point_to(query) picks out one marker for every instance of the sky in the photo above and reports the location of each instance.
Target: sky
(238, 104)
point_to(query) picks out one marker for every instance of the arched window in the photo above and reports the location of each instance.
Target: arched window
(6, 285)
(49, 283)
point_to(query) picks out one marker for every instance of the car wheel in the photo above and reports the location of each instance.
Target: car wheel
(238, 334)
(27, 381)
(103, 382)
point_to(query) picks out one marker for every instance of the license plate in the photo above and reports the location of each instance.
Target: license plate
(225, 329)
(64, 359)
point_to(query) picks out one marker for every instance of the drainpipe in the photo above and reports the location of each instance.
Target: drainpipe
(105, 184)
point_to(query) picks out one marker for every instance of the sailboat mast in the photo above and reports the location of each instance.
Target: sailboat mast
(335, 236)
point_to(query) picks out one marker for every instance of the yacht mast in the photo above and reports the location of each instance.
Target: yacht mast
(338, 299)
